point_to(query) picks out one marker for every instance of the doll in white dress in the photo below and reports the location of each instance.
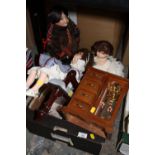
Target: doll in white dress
(103, 59)
(56, 70)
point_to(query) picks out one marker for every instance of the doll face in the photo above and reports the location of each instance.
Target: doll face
(101, 54)
(63, 21)
(77, 57)
(79, 61)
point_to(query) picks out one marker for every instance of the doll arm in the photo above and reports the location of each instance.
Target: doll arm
(71, 76)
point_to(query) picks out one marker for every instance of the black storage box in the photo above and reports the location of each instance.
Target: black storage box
(59, 129)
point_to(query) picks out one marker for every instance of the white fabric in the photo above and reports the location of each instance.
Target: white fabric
(80, 65)
(55, 75)
(53, 72)
(111, 66)
(53, 111)
(59, 83)
(124, 149)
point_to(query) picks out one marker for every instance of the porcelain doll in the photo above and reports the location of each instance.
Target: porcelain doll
(56, 70)
(103, 59)
(63, 35)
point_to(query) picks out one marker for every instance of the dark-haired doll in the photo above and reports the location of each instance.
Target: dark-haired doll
(63, 36)
(103, 59)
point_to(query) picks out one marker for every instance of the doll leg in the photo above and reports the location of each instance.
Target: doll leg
(31, 78)
(34, 90)
(42, 79)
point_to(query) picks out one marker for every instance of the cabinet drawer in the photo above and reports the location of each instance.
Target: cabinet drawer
(80, 105)
(95, 75)
(84, 96)
(90, 85)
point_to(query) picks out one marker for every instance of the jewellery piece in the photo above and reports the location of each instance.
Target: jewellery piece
(110, 99)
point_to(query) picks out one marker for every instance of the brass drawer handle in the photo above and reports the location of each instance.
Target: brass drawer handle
(80, 105)
(91, 84)
(83, 94)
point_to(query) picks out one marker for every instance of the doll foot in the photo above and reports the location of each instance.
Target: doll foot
(32, 93)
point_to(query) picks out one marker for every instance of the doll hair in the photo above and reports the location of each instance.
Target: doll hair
(55, 15)
(87, 56)
(57, 43)
(85, 52)
(102, 45)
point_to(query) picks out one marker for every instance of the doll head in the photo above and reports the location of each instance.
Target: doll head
(58, 16)
(81, 58)
(102, 46)
(84, 53)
